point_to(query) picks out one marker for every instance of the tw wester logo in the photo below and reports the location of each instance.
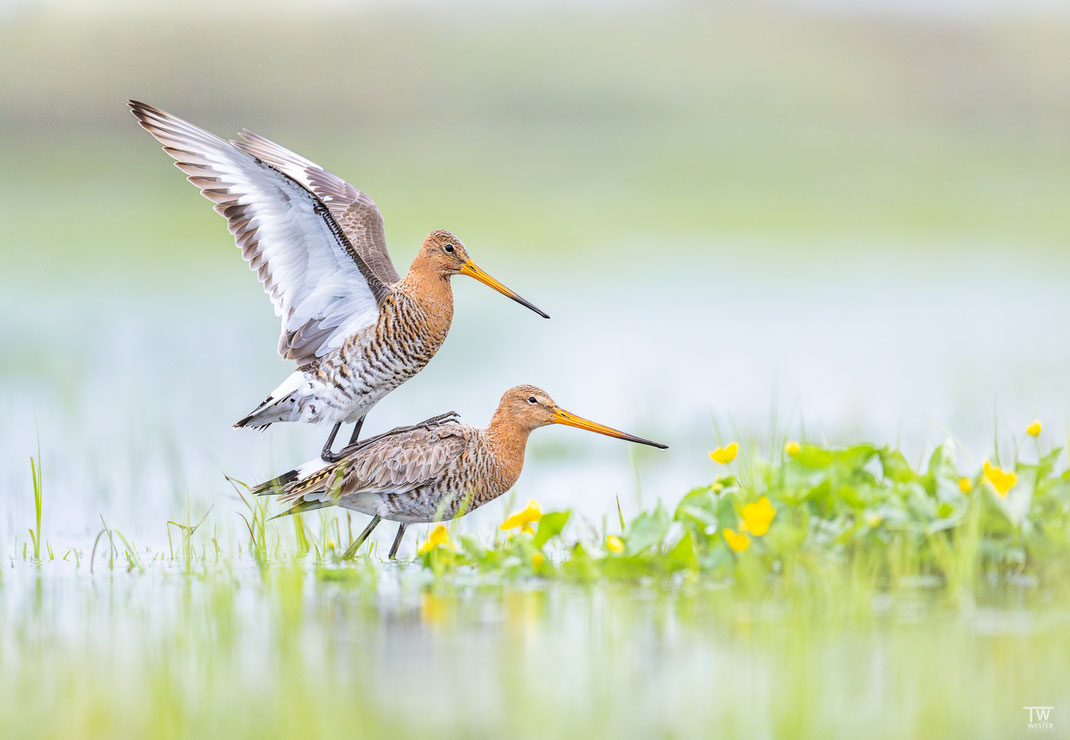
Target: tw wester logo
(1040, 718)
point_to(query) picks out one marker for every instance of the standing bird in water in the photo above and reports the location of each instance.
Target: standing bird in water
(356, 329)
(439, 471)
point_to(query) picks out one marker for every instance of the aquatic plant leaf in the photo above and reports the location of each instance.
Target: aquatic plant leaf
(698, 509)
(682, 556)
(550, 526)
(896, 467)
(647, 530)
(942, 461)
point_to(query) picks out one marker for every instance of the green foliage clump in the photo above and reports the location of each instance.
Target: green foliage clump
(863, 507)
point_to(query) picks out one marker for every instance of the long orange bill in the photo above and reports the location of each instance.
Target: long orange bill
(563, 417)
(469, 268)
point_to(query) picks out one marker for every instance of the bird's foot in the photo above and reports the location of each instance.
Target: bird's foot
(449, 417)
(446, 418)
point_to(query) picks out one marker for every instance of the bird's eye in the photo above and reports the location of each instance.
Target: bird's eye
(449, 248)
(532, 400)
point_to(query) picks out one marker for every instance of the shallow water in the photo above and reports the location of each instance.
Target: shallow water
(231, 649)
(133, 381)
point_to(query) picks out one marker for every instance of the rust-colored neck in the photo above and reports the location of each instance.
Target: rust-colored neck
(427, 285)
(507, 438)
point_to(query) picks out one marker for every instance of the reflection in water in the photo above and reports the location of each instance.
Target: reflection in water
(327, 647)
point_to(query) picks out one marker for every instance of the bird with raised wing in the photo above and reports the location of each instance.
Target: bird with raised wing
(436, 472)
(356, 329)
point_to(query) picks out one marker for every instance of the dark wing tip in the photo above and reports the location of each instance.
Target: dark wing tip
(141, 110)
(275, 485)
(149, 117)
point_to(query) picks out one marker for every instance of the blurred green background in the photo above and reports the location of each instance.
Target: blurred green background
(551, 126)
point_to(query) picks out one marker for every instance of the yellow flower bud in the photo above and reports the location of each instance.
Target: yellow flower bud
(1001, 480)
(737, 541)
(436, 537)
(758, 516)
(725, 455)
(791, 449)
(524, 519)
(614, 544)
(1034, 429)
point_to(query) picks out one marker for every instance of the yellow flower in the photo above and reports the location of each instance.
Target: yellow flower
(614, 544)
(874, 521)
(524, 519)
(965, 484)
(436, 537)
(737, 541)
(1002, 480)
(1034, 429)
(538, 559)
(758, 516)
(791, 449)
(725, 455)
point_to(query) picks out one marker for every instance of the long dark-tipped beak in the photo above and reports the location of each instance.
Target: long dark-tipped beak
(469, 268)
(561, 416)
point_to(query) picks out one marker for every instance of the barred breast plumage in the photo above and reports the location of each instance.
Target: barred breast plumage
(347, 383)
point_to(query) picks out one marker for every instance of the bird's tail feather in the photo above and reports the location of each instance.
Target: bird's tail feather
(282, 405)
(262, 416)
(314, 477)
(276, 485)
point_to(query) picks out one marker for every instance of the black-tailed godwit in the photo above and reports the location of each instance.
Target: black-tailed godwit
(435, 472)
(356, 329)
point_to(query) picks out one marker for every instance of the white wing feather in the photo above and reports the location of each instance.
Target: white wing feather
(320, 287)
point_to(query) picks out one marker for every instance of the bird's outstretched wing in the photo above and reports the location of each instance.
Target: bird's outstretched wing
(319, 284)
(352, 209)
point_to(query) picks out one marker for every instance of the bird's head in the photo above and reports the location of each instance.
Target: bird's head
(446, 255)
(530, 407)
(445, 252)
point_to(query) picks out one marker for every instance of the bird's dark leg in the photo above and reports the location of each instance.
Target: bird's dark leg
(360, 540)
(332, 457)
(397, 541)
(353, 446)
(326, 455)
(448, 416)
(356, 431)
